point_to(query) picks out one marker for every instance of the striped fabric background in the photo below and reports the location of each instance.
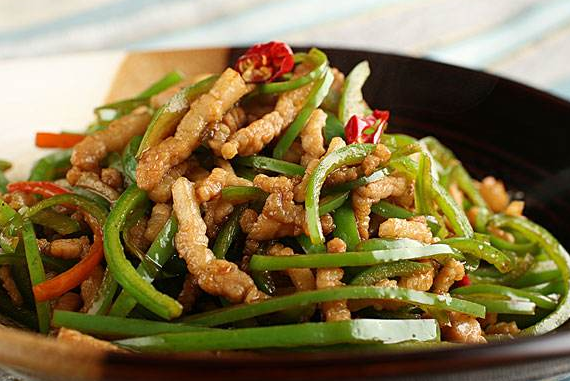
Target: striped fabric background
(528, 40)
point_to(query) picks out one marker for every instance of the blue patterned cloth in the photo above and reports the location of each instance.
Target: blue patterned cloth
(527, 40)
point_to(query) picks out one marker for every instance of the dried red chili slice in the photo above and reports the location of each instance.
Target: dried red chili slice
(265, 62)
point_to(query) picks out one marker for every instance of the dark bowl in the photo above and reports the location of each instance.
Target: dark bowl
(495, 126)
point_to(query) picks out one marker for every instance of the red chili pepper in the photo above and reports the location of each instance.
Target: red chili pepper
(366, 129)
(68, 280)
(465, 281)
(43, 188)
(63, 140)
(265, 62)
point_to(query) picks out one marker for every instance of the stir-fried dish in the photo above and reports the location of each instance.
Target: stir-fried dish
(264, 207)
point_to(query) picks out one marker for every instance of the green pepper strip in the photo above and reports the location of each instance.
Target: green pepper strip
(349, 155)
(515, 307)
(456, 216)
(114, 327)
(423, 194)
(305, 298)
(308, 247)
(314, 99)
(270, 164)
(351, 101)
(242, 194)
(388, 244)
(81, 202)
(349, 332)
(332, 202)
(104, 296)
(348, 259)
(37, 273)
(61, 223)
(482, 250)
(346, 228)
(448, 160)
(122, 270)
(333, 128)
(350, 185)
(557, 253)
(320, 63)
(127, 105)
(388, 210)
(422, 189)
(547, 288)
(166, 118)
(228, 233)
(396, 141)
(51, 167)
(5, 165)
(540, 272)
(129, 159)
(3, 182)
(169, 80)
(370, 276)
(513, 293)
(92, 196)
(521, 248)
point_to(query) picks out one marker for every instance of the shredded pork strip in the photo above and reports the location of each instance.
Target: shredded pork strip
(251, 139)
(90, 151)
(415, 228)
(364, 196)
(219, 178)
(208, 108)
(159, 215)
(90, 286)
(494, 193)
(189, 294)
(451, 272)
(332, 277)
(85, 341)
(220, 132)
(215, 276)
(163, 191)
(420, 280)
(70, 301)
(302, 279)
(312, 139)
(464, 329)
(65, 248)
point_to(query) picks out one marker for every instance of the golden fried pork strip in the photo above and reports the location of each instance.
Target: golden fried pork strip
(215, 276)
(208, 108)
(332, 277)
(88, 153)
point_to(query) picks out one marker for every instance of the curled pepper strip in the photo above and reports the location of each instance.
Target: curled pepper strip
(320, 63)
(349, 155)
(314, 100)
(557, 253)
(66, 281)
(43, 188)
(122, 270)
(265, 62)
